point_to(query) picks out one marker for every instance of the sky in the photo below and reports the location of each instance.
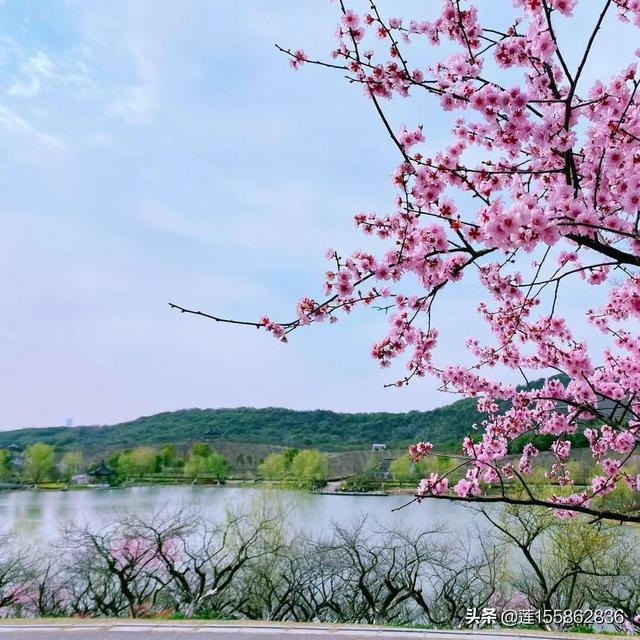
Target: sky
(154, 152)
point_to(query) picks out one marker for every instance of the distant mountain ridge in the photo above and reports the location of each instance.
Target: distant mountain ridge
(323, 429)
(328, 430)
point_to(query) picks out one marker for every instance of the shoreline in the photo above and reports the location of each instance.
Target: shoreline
(229, 484)
(236, 484)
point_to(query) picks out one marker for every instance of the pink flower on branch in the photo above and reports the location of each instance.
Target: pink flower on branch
(535, 191)
(297, 59)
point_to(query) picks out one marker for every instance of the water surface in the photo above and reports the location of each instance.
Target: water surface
(38, 515)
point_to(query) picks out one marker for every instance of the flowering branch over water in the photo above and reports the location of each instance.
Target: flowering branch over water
(554, 201)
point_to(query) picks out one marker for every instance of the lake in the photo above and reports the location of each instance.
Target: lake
(38, 515)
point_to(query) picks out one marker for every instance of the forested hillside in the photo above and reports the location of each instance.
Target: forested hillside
(322, 429)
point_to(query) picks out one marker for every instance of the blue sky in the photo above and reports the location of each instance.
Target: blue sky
(156, 151)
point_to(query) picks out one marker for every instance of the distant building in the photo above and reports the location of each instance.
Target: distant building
(68, 422)
(379, 446)
(102, 473)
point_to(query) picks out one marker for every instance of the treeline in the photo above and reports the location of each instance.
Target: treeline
(40, 463)
(200, 461)
(306, 469)
(255, 566)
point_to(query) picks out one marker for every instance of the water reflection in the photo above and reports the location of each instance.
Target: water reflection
(39, 515)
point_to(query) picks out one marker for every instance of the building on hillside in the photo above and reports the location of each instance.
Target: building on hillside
(379, 446)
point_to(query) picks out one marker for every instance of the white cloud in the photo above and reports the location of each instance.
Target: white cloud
(42, 64)
(34, 71)
(16, 126)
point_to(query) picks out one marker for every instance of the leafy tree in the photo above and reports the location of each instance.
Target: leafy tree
(39, 462)
(273, 467)
(201, 449)
(211, 463)
(5, 465)
(404, 469)
(196, 466)
(440, 464)
(71, 464)
(113, 460)
(310, 468)
(218, 466)
(137, 462)
(289, 455)
(168, 456)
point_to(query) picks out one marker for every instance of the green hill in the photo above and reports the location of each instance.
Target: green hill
(326, 430)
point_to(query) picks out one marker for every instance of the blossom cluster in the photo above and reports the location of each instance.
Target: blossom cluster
(555, 200)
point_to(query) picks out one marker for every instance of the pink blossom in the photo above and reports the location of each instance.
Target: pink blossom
(561, 448)
(433, 485)
(535, 191)
(610, 466)
(298, 59)
(350, 19)
(462, 487)
(420, 450)
(623, 442)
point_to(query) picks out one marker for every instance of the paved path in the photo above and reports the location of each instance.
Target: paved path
(122, 630)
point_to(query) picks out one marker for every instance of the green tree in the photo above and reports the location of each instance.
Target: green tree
(39, 462)
(403, 469)
(310, 468)
(195, 466)
(6, 470)
(201, 449)
(214, 464)
(273, 467)
(71, 464)
(137, 462)
(168, 456)
(289, 455)
(113, 460)
(218, 466)
(439, 464)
